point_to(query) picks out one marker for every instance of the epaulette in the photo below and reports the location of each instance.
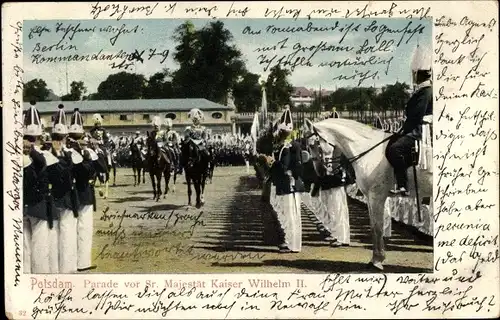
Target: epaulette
(27, 160)
(50, 159)
(76, 157)
(93, 154)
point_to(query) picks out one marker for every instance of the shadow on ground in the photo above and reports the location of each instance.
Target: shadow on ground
(325, 266)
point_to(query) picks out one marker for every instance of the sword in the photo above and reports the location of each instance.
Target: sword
(415, 157)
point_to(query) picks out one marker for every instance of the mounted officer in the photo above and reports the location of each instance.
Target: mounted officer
(101, 136)
(65, 193)
(399, 149)
(172, 140)
(84, 173)
(197, 133)
(158, 135)
(39, 230)
(45, 140)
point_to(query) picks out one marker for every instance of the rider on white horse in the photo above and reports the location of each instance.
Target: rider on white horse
(196, 132)
(399, 149)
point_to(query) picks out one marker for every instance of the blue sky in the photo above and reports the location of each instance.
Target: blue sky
(156, 34)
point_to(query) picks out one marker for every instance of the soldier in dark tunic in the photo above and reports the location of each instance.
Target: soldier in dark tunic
(64, 192)
(399, 149)
(38, 218)
(286, 174)
(84, 174)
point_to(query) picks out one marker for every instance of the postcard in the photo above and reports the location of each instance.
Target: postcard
(241, 160)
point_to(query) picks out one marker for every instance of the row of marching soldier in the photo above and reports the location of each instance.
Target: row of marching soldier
(59, 197)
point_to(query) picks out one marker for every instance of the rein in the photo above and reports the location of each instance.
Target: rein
(354, 158)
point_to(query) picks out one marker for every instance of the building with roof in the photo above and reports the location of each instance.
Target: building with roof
(301, 95)
(128, 116)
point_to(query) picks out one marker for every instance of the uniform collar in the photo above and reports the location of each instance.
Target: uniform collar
(424, 84)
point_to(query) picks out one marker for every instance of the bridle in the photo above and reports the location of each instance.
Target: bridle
(350, 160)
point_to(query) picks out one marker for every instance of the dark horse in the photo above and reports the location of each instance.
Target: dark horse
(139, 163)
(159, 163)
(211, 163)
(196, 165)
(103, 172)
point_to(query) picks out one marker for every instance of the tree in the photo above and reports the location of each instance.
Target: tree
(122, 85)
(247, 93)
(185, 54)
(37, 90)
(209, 65)
(278, 88)
(77, 91)
(158, 87)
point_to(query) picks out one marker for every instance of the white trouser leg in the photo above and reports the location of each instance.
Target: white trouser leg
(39, 246)
(85, 227)
(67, 242)
(27, 244)
(54, 247)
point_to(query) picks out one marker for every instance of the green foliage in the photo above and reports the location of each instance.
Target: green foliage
(209, 65)
(77, 91)
(37, 90)
(358, 100)
(247, 93)
(278, 88)
(159, 87)
(122, 86)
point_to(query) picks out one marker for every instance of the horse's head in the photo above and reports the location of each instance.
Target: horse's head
(321, 150)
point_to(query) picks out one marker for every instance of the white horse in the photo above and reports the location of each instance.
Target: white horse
(365, 148)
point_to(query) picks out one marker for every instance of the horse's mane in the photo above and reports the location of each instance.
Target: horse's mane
(350, 129)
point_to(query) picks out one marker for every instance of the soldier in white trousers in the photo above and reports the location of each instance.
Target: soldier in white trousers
(38, 224)
(64, 193)
(84, 174)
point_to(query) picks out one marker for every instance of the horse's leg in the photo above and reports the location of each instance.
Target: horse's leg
(188, 180)
(135, 181)
(202, 189)
(167, 180)
(106, 185)
(153, 182)
(114, 174)
(159, 175)
(376, 212)
(175, 179)
(143, 174)
(197, 189)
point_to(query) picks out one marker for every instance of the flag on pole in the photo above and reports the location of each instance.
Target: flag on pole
(263, 107)
(254, 131)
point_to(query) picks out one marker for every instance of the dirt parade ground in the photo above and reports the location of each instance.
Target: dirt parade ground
(135, 234)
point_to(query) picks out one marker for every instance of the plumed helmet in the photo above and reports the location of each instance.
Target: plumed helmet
(285, 123)
(137, 132)
(97, 118)
(60, 126)
(196, 114)
(156, 122)
(76, 124)
(422, 59)
(168, 123)
(32, 123)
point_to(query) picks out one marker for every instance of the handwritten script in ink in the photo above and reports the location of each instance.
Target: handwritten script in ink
(87, 41)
